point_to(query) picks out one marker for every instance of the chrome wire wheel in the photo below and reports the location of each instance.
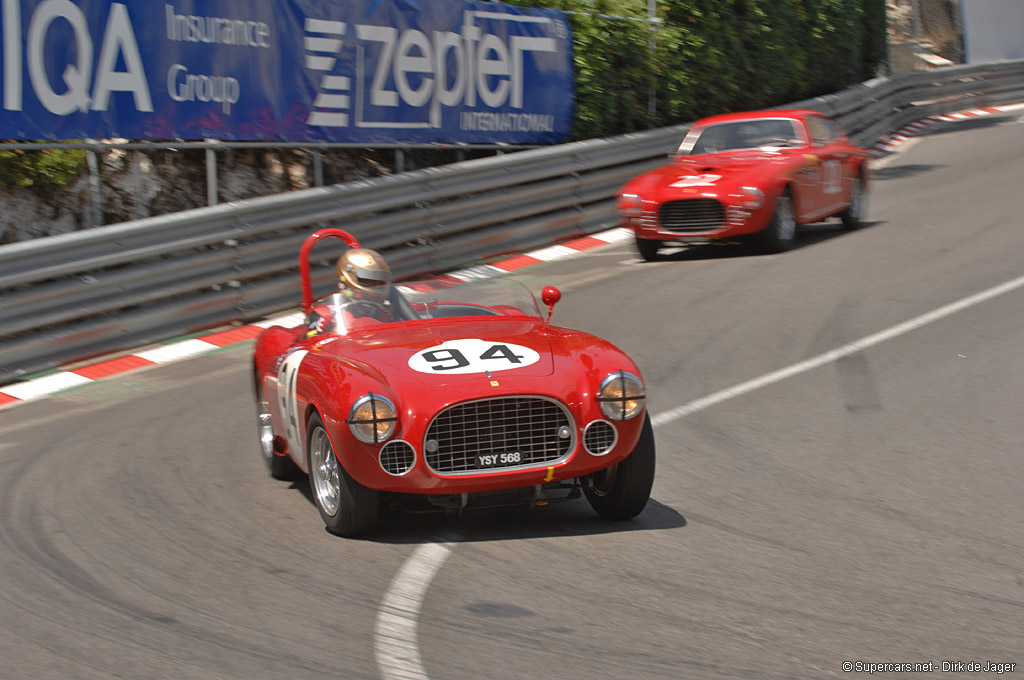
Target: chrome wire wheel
(325, 472)
(266, 432)
(278, 463)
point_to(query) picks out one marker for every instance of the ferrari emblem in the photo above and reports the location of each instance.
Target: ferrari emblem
(494, 383)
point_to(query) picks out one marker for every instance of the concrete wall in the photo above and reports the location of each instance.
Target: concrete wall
(993, 30)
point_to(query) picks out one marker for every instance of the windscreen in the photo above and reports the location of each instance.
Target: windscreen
(743, 134)
(421, 301)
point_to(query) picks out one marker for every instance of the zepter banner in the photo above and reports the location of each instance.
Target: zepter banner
(361, 71)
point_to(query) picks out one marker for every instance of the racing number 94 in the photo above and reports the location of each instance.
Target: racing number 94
(450, 358)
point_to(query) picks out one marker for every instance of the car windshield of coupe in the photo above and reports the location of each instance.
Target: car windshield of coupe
(741, 134)
(423, 301)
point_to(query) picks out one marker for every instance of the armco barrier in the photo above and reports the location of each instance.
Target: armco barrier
(68, 297)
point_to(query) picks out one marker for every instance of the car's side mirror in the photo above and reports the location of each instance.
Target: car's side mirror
(550, 297)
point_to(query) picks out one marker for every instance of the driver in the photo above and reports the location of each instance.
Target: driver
(364, 284)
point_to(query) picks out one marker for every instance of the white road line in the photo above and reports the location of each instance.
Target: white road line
(678, 412)
(395, 644)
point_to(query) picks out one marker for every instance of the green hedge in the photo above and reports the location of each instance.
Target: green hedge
(43, 170)
(713, 56)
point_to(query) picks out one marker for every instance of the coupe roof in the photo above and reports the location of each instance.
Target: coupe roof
(799, 114)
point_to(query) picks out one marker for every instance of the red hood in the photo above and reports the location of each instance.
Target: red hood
(388, 354)
(732, 170)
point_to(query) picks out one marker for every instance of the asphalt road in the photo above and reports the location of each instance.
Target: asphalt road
(865, 510)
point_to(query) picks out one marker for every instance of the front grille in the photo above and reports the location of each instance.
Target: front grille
(599, 437)
(397, 457)
(692, 215)
(499, 433)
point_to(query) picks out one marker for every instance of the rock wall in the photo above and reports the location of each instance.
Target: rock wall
(136, 184)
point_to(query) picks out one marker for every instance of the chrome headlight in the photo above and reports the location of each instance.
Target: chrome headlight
(752, 198)
(630, 205)
(621, 395)
(372, 419)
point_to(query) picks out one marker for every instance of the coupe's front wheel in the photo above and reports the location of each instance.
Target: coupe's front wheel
(347, 507)
(781, 232)
(854, 214)
(648, 249)
(622, 491)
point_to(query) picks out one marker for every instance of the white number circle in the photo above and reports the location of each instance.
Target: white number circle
(469, 355)
(696, 181)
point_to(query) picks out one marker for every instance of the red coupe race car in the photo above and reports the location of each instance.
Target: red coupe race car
(443, 395)
(738, 174)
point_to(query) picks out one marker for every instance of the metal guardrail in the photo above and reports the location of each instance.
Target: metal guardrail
(68, 297)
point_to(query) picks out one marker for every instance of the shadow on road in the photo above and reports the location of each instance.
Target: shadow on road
(901, 171)
(807, 235)
(570, 518)
(966, 124)
(564, 518)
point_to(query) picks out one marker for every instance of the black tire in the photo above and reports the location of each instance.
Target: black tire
(780, 235)
(648, 249)
(621, 491)
(279, 467)
(347, 507)
(853, 216)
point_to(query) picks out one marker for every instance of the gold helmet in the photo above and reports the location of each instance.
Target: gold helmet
(364, 275)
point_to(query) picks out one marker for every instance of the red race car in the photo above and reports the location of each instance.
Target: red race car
(443, 395)
(738, 174)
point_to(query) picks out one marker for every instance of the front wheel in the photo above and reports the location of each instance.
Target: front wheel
(621, 491)
(648, 249)
(347, 507)
(781, 232)
(854, 214)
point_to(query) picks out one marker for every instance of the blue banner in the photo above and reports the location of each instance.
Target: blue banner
(360, 71)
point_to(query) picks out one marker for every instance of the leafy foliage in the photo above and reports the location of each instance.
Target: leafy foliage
(46, 169)
(712, 56)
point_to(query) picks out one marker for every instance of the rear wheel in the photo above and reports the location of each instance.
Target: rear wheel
(280, 467)
(853, 216)
(648, 249)
(781, 232)
(622, 491)
(347, 507)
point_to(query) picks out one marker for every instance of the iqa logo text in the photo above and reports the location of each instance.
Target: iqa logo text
(78, 92)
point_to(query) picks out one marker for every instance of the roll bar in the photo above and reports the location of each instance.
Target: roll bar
(307, 247)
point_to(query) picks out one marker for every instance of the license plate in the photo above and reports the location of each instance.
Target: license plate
(695, 241)
(493, 460)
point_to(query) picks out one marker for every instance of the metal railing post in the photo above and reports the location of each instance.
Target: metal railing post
(318, 168)
(211, 175)
(95, 195)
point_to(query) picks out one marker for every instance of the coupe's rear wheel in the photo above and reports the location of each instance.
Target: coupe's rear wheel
(853, 216)
(648, 249)
(781, 232)
(347, 507)
(622, 491)
(280, 467)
